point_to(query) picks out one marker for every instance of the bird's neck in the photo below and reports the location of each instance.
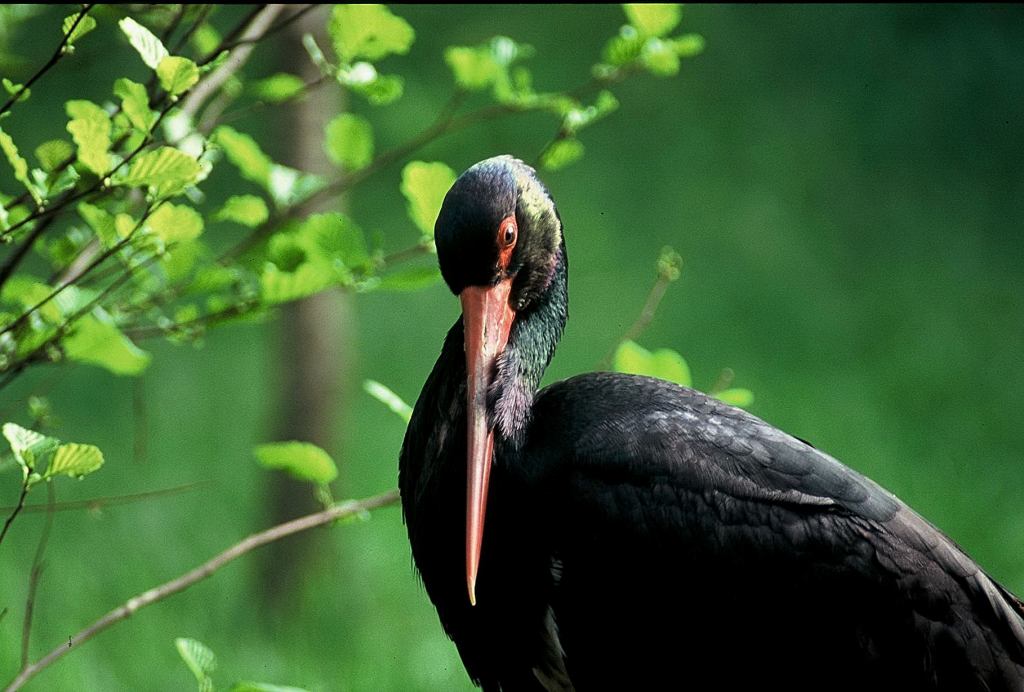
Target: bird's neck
(531, 344)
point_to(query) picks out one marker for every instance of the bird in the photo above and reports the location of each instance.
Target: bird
(614, 531)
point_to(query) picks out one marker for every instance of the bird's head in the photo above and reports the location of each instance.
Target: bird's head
(498, 236)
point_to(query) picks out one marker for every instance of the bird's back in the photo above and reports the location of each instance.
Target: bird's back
(685, 538)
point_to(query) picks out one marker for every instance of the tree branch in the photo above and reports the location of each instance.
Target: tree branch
(17, 509)
(136, 603)
(54, 59)
(35, 573)
(253, 32)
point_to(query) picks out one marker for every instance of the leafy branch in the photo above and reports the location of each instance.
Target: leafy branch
(350, 508)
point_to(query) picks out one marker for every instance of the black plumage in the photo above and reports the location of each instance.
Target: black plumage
(642, 535)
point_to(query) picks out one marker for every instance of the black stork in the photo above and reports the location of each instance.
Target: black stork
(641, 535)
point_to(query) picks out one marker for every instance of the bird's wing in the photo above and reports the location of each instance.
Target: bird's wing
(640, 462)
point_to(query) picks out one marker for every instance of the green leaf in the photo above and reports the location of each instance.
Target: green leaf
(142, 39)
(660, 57)
(199, 659)
(381, 91)
(247, 686)
(175, 223)
(177, 75)
(664, 363)
(30, 448)
(410, 279)
(53, 153)
(424, 186)
(368, 31)
(349, 141)
(736, 396)
(90, 128)
(278, 286)
(96, 340)
(278, 88)
(74, 460)
(561, 153)
(653, 19)
(334, 237)
(19, 165)
(86, 25)
(247, 210)
(243, 151)
(302, 460)
(135, 104)
(101, 221)
(474, 68)
(166, 170)
(688, 45)
(13, 89)
(387, 397)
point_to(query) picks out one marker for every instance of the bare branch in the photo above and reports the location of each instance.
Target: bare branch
(35, 573)
(136, 603)
(254, 31)
(100, 502)
(17, 509)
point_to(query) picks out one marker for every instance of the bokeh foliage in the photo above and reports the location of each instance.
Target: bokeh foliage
(842, 183)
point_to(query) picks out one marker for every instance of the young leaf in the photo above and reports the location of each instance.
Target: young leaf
(474, 68)
(199, 659)
(349, 141)
(142, 39)
(424, 186)
(688, 45)
(387, 397)
(83, 27)
(74, 460)
(302, 460)
(736, 396)
(561, 153)
(381, 91)
(96, 340)
(660, 57)
(247, 210)
(278, 88)
(278, 286)
(90, 128)
(101, 221)
(410, 279)
(166, 169)
(334, 237)
(135, 104)
(368, 31)
(16, 89)
(29, 447)
(175, 223)
(243, 151)
(53, 153)
(653, 19)
(19, 165)
(664, 363)
(177, 75)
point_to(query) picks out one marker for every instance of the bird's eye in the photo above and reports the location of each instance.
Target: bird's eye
(507, 235)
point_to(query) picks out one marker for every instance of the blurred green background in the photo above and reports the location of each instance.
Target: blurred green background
(845, 186)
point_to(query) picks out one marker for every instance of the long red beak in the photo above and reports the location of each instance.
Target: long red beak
(486, 321)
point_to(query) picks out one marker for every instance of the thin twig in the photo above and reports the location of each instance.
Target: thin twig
(136, 603)
(35, 573)
(272, 30)
(100, 502)
(17, 508)
(54, 59)
(643, 319)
